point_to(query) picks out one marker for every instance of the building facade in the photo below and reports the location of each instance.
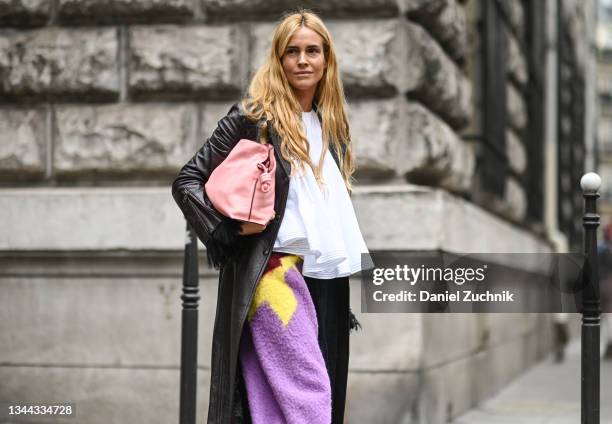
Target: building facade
(471, 122)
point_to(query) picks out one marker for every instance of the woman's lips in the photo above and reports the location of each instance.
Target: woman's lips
(303, 73)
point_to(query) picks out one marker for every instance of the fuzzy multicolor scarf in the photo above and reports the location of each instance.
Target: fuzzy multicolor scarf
(284, 370)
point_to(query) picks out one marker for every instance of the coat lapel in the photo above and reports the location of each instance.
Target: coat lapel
(334, 154)
(274, 139)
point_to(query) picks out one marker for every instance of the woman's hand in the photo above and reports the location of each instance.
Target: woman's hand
(251, 228)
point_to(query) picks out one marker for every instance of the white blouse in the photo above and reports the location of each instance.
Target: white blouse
(321, 225)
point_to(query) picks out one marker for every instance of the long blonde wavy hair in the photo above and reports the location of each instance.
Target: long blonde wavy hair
(269, 95)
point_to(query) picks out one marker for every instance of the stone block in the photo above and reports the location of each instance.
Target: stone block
(265, 9)
(378, 207)
(372, 56)
(517, 63)
(210, 115)
(382, 398)
(377, 133)
(104, 395)
(447, 337)
(498, 328)
(516, 16)
(146, 218)
(448, 389)
(24, 12)
(431, 152)
(260, 36)
(435, 220)
(435, 80)
(515, 198)
(140, 218)
(122, 137)
(135, 321)
(174, 61)
(23, 140)
(516, 109)
(445, 20)
(98, 11)
(505, 361)
(58, 62)
(516, 152)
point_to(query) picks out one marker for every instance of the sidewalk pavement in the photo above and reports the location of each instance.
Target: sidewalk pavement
(548, 393)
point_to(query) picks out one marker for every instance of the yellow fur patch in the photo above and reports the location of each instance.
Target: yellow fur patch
(273, 290)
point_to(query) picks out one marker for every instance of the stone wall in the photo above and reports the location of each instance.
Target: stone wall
(99, 92)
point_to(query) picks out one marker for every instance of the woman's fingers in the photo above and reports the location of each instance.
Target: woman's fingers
(251, 228)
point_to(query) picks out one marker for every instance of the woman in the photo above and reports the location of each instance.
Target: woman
(281, 334)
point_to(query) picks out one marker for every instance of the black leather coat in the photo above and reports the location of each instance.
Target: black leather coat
(242, 259)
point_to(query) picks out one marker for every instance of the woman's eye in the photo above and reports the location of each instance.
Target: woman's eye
(295, 52)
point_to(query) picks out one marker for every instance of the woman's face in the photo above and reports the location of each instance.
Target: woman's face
(304, 60)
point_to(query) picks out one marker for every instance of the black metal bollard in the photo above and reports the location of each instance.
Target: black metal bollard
(189, 331)
(590, 413)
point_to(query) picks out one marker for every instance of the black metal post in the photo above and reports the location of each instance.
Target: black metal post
(590, 413)
(189, 330)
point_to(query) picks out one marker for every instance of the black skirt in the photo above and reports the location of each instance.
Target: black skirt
(331, 299)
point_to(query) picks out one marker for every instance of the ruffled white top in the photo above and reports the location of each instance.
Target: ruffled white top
(320, 223)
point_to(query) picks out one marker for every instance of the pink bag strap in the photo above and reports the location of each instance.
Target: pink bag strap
(265, 178)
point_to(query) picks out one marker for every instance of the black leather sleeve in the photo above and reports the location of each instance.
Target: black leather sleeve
(218, 233)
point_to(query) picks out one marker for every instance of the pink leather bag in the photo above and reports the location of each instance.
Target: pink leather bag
(242, 186)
